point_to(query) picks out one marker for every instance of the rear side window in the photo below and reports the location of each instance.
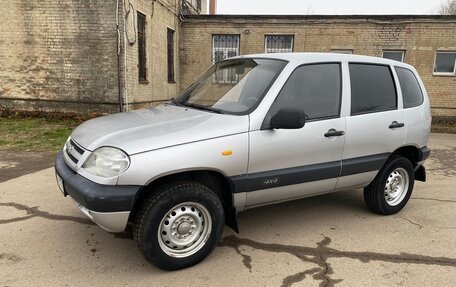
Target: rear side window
(372, 88)
(411, 91)
(316, 89)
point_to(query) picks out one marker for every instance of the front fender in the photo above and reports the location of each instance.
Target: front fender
(202, 155)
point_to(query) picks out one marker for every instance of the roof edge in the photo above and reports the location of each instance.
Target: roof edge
(253, 18)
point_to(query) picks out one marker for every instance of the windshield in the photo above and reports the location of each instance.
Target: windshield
(232, 86)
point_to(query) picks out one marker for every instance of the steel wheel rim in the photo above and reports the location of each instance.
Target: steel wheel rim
(396, 186)
(184, 229)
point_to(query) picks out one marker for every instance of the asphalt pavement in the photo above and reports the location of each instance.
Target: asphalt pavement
(321, 241)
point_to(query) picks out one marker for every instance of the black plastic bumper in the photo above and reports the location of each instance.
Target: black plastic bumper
(424, 153)
(94, 196)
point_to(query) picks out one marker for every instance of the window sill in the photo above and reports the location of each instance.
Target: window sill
(143, 82)
(443, 74)
(171, 82)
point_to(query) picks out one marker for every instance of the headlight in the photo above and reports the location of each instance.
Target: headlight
(107, 162)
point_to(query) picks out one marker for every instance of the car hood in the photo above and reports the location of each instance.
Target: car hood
(159, 127)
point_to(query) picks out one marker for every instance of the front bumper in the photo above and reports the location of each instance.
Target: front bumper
(109, 206)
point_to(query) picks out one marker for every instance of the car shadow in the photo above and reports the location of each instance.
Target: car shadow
(120, 249)
(309, 209)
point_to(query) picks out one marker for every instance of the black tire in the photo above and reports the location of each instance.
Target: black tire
(158, 205)
(375, 194)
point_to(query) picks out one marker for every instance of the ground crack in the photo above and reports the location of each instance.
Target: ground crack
(320, 254)
(10, 257)
(412, 222)
(298, 277)
(32, 212)
(434, 199)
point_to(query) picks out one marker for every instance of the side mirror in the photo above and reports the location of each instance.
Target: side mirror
(288, 118)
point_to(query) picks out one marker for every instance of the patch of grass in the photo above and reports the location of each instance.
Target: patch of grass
(35, 133)
(49, 135)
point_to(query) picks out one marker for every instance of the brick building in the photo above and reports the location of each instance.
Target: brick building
(71, 57)
(417, 40)
(89, 56)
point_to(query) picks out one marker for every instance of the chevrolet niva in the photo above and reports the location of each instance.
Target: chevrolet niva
(251, 131)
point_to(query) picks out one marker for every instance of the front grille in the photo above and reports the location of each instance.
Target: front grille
(73, 159)
(73, 151)
(76, 147)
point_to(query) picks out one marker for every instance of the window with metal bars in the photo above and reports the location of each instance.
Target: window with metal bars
(278, 43)
(170, 48)
(142, 59)
(224, 47)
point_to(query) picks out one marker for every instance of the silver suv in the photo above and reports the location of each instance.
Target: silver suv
(251, 131)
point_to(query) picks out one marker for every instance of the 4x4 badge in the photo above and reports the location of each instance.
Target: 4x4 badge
(270, 181)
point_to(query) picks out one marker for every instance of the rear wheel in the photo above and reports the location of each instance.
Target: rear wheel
(391, 189)
(179, 225)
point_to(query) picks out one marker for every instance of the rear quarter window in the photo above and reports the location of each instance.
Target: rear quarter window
(411, 90)
(372, 89)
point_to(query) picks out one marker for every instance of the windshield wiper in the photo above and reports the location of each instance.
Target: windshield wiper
(176, 102)
(201, 107)
(196, 106)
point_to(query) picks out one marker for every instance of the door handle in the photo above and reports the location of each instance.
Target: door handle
(395, 125)
(334, 133)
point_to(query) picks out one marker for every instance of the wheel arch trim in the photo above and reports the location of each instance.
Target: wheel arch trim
(204, 176)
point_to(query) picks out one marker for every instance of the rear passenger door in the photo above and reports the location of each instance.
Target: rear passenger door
(376, 125)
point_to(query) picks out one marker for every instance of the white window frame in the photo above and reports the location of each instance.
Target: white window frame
(394, 51)
(228, 49)
(282, 35)
(435, 65)
(342, 51)
(226, 77)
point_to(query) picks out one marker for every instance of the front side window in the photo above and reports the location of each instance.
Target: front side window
(253, 76)
(316, 89)
(142, 60)
(278, 43)
(411, 91)
(372, 89)
(445, 63)
(394, 55)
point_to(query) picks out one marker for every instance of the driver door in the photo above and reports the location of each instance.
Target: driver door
(290, 163)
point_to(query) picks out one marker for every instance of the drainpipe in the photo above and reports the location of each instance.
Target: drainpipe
(125, 70)
(119, 59)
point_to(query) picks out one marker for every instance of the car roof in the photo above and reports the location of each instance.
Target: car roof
(303, 58)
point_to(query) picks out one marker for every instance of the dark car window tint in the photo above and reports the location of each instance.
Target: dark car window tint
(316, 89)
(411, 91)
(372, 89)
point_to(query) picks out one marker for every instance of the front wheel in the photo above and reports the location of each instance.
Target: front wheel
(179, 225)
(391, 189)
